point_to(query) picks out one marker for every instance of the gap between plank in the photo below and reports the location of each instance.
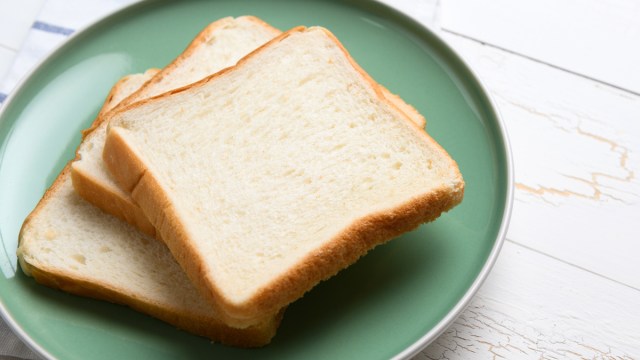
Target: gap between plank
(7, 47)
(572, 265)
(539, 61)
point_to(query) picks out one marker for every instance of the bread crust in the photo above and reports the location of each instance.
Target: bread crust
(402, 106)
(202, 37)
(108, 103)
(48, 194)
(207, 326)
(123, 207)
(94, 190)
(343, 250)
(118, 205)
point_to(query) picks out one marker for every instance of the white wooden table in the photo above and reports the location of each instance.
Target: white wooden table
(565, 75)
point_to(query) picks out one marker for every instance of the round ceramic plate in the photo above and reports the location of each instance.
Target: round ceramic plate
(392, 302)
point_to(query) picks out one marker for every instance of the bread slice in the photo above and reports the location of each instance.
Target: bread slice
(273, 175)
(219, 45)
(67, 243)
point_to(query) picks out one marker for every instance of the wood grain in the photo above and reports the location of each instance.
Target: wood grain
(597, 39)
(567, 283)
(535, 307)
(577, 160)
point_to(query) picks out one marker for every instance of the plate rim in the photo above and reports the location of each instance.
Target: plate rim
(464, 301)
(431, 335)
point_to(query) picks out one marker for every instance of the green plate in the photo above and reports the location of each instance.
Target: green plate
(391, 303)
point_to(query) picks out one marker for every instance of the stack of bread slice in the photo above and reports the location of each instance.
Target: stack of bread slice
(251, 168)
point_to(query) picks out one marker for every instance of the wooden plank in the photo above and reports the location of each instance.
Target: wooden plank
(577, 161)
(535, 307)
(596, 38)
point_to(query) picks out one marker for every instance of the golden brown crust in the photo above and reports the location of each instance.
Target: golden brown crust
(378, 89)
(210, 327)
(354, 242)
(203, 36)
(92, 189)
(122, 207)
(263, 23)
(402, 106)
(338, 253)
(205, 80)
(148, 194)
(57, 183)
(108, 102)
(195, 323)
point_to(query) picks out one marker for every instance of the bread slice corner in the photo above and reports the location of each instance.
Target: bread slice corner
(219, 45)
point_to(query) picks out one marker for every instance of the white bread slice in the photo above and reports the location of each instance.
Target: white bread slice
(219, 45)
(273, 175)
(67, 243)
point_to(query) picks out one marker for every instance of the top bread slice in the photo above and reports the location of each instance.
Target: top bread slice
(68, 244)
(219, 45)
(273, 175)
